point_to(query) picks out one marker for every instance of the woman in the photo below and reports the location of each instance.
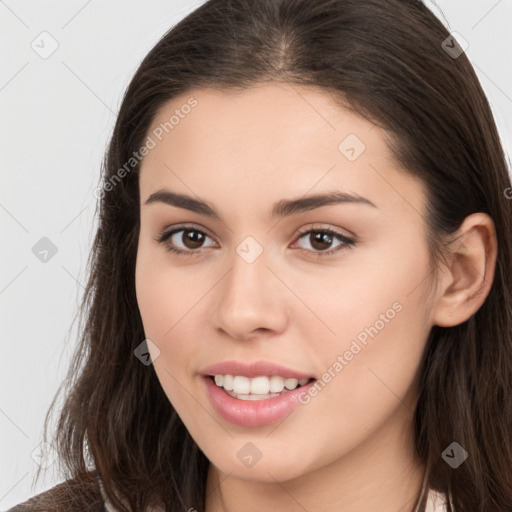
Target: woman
(296, 298)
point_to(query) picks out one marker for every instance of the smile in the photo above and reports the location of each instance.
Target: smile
(257, 388)
(254, 410)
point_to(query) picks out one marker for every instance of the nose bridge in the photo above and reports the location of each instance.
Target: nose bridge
(248, 281)
(248, 297)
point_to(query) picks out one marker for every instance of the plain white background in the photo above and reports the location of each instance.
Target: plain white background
(65, 66)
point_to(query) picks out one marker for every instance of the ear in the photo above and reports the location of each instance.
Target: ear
(467, 281)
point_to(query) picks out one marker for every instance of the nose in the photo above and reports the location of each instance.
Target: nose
(251, 300)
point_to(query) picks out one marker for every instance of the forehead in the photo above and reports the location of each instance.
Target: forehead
(277, 138)
(305, 117)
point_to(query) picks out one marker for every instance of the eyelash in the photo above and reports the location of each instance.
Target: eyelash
(348, 243)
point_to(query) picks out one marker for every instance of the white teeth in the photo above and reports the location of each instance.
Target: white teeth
(260, 386)
(252, 397)
(290, 383)
(228, 382)
(241, 385)
(276, 384)
(257, 388)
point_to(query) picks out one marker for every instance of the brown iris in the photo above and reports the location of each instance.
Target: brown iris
(318, 238)
(192, 237)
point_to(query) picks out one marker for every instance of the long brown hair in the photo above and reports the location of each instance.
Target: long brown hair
(390, 62)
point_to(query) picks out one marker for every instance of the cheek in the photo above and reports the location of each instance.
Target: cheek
(161, 294)
(163, 306)
(154, 300)
(382, 291)
(160, 298)
(370, 369)
(374, 324)
(357, 303)
(169, 301)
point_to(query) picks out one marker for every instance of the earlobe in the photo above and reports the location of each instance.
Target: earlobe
(467, 282)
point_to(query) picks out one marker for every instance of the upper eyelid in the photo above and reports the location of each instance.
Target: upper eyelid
(168, 232)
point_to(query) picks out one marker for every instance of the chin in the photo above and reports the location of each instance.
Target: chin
(268, 469)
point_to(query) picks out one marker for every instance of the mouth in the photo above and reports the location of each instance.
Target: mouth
(243, 407)
(258, 388)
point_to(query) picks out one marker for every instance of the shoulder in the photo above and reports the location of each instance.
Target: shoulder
(70, 495)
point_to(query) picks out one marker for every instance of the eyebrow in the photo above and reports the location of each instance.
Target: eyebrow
(283, 208)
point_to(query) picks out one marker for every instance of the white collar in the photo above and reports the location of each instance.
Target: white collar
(436, 502)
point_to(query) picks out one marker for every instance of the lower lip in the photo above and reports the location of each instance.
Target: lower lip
(253, 413)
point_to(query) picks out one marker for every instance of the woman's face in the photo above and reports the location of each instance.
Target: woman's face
(262, 280)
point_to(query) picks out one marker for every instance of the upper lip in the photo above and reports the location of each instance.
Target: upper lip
(254, 369)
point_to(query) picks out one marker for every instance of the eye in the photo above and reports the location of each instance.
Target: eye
(190, 238)
(319, 240)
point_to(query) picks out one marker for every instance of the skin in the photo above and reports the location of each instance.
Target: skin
(351, 447)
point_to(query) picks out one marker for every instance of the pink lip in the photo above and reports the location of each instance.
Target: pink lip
(252, 413)
(255, 369)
